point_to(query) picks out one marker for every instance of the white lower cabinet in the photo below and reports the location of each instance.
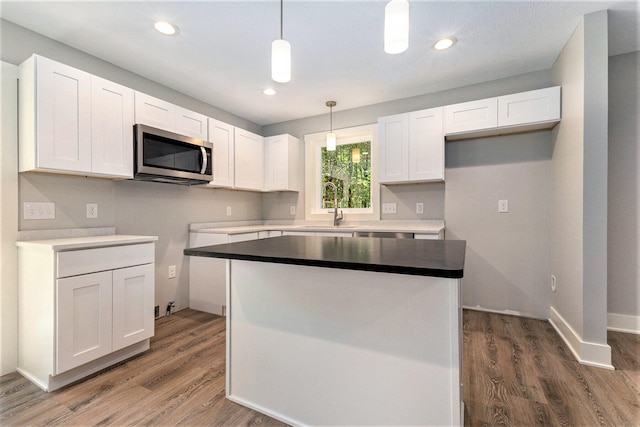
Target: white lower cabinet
(208, 276)
(98, 304)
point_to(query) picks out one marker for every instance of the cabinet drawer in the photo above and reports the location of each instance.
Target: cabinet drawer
(73, 263)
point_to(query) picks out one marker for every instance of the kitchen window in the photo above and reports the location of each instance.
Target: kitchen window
(352, 168)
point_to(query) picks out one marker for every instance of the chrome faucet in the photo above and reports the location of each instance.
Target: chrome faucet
(336, 218)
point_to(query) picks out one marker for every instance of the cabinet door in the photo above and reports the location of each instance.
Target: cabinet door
(426, 145)
(191, 124)
(83, 313)
(276, 162)
(249, 160)
(221, 135)
(529, 107)
(393, 148)
(63, 111)
(111, 128)
(471, 116)
(155, 112)
(133, 301)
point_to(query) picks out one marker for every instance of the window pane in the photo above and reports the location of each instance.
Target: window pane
(349, 169)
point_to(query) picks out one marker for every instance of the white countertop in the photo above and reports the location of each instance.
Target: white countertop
(419, 227)
(87, 242)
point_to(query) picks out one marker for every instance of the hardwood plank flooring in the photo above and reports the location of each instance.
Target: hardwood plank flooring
(517, 371)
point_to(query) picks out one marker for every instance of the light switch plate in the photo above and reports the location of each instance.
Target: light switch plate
(503, 206)
(39, 210)
(389, 208)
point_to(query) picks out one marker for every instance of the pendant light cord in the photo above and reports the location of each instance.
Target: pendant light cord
(281, 19)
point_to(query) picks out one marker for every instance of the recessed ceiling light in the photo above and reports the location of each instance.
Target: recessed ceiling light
(444, 43)
(166, 28)
(269, 91)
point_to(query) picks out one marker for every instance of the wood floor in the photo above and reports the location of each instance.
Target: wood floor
(516, 372)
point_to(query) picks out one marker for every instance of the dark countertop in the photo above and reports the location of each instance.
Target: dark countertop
(438, 258)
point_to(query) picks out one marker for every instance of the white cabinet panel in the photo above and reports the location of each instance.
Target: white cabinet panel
(155, 112)
(55, 116)
(426, 145)
(222, 136)
(282, 165)
(471, 116)
(191, 124)
(393, 150)
(111, 128)
(411, 147)
(164, 115)
(83, 327)
(249, 160)
(133, 291)
(529, 107)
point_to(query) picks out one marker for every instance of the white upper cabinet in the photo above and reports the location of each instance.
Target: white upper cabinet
(192, 124)
(411, 147)
(55, 117)
(471, 116)
(73, 122)
(164, 115)
(249, 160)
(393, 149)
(426, 145)
(518, 112)
(221, 135)
(535, 106)
(111, 128)
(282, 165)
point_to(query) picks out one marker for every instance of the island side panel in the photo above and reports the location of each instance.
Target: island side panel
(323, 346)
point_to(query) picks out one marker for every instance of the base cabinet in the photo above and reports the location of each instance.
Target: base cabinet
(99, 305)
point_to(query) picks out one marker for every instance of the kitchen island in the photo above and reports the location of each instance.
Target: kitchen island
(337, 331)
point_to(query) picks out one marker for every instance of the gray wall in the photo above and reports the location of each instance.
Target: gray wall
(623, 291)
(579, 238)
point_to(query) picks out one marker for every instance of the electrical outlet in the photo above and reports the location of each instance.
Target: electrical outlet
(39, 210)
(92, 210)
(389, 208)
(503, 206)
(292, 210)
(419, 208)
(228, 210)
(172, 271)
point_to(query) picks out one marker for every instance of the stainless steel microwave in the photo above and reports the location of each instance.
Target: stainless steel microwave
(164, 156)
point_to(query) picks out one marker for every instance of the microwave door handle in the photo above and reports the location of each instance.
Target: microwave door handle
(204, 160)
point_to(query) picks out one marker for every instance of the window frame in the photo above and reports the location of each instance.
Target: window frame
(313, 169)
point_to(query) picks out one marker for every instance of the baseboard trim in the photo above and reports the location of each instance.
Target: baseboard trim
(507, 312)
(623, 323)
(587, 353)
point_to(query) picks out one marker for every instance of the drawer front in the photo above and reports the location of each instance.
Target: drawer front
(73, 263)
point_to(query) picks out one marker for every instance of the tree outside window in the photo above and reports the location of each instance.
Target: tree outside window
(349, 169)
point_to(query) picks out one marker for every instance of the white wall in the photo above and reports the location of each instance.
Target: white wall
(623, 290)
(8, 218)
(579, 239)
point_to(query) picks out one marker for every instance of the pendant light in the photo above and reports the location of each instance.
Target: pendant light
(355, 155)
(396, 26)
(281, 55)
(331, 137)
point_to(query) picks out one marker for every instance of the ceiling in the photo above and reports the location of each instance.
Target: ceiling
(222, 54)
